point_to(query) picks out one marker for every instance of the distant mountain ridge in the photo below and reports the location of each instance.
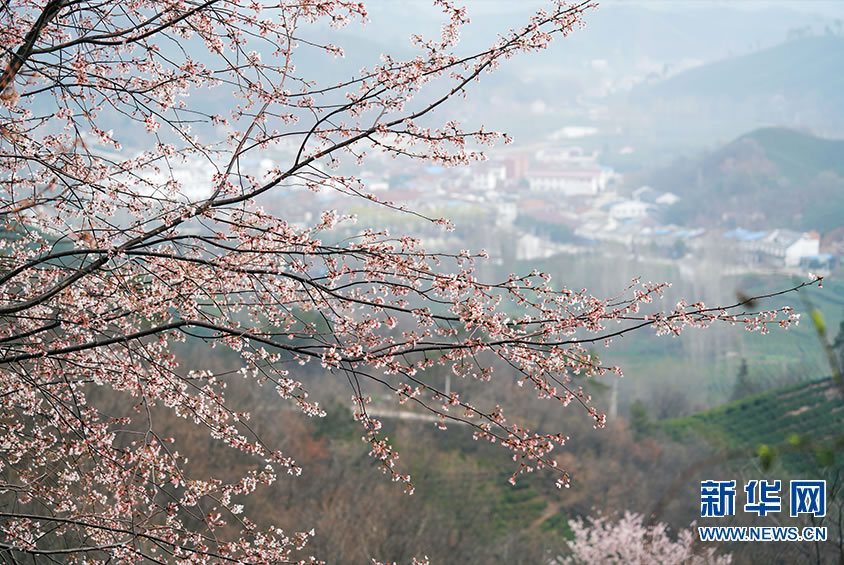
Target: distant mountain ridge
(793, 67)
(797, 84)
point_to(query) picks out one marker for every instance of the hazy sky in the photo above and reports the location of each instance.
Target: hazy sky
(833, 8)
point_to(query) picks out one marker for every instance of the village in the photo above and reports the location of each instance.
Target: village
(562, 200)
(553, 198)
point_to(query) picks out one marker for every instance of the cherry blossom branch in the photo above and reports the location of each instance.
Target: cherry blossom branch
(20, 57)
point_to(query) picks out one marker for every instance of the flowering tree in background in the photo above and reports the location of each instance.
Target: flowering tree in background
(107, 261)
(628, 540)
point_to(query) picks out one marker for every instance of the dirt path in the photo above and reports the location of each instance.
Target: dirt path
(550, 509)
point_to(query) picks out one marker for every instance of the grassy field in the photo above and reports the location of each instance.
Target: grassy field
(704, 363)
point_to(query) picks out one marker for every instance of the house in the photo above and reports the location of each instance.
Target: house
(798, 245)
(667, 199)
(652, 196)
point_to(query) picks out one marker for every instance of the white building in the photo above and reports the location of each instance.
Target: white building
(570, 182)
(487, 177)
(802, 246)
(629, 209)
(667, 199)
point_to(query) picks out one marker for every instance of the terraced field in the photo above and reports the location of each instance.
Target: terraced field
(803, 424)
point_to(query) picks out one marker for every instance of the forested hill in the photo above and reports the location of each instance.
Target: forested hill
(769, 178)
(797, 155)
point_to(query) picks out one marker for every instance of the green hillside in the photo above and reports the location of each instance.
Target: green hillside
(768, 178)
(797, 155)
(804, 423)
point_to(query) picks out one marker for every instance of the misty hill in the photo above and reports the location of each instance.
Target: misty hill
(799, 156)
(791, 69)
(797, 84)
(771, 177)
